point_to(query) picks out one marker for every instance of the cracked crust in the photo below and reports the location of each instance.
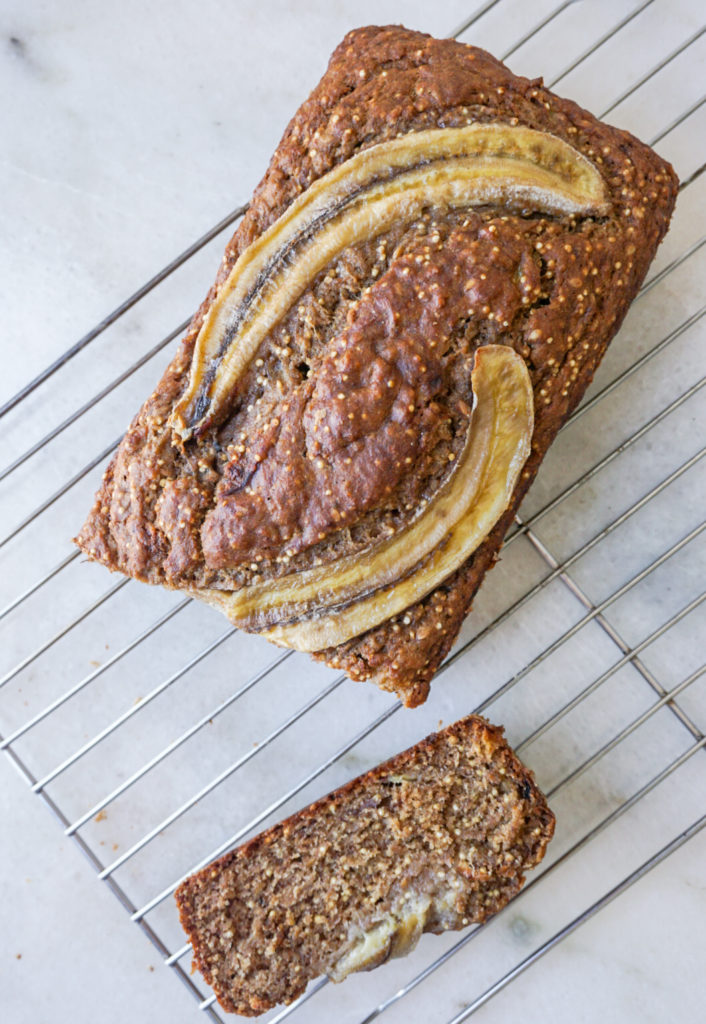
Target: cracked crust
(554, 288)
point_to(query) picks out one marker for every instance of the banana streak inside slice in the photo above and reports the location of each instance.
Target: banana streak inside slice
(324, 607)
(395, 936)
(510, 166)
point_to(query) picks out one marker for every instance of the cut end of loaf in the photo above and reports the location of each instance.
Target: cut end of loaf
(437, 838)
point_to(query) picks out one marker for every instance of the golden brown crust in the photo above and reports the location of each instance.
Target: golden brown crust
(554, 288)
(268, 917)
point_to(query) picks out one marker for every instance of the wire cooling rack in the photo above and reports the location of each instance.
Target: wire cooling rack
(160, 738)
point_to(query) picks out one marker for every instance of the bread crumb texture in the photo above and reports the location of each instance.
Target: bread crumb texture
(437, 838)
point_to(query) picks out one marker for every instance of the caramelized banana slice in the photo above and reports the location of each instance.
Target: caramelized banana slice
(510, 166)
(323, 607)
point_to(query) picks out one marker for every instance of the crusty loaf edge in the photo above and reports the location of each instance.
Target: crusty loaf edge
(474, 731)
(404, 662)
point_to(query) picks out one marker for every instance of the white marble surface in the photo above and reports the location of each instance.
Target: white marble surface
(129, 130)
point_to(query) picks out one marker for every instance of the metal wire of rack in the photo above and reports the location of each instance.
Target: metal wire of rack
(577, 618)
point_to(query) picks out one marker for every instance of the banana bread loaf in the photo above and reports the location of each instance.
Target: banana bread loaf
(437, 838)
(417, 298)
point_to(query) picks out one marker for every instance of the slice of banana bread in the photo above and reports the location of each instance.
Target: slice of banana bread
(437, 838)
(424, 206)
